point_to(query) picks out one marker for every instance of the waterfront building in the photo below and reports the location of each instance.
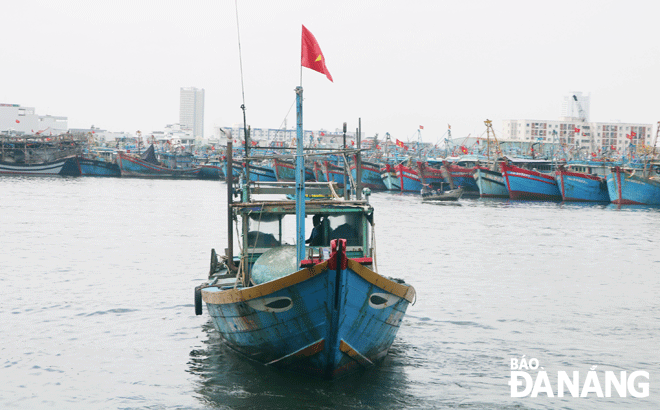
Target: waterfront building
(24, 120)
(191, 110)
(592, 136)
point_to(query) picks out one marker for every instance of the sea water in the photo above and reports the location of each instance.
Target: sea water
(96, 302)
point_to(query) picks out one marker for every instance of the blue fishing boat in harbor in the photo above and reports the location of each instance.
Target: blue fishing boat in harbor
(389, 178)
(575, 185)
(211, 169)
(285, 170)
(334, 172)
(370, 175)
(634, 186)
(97, 167)
(318, 306)
(490, 182)
(147, 166)
(530, 184)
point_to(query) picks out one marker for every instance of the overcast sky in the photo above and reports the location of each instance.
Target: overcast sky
(397, 65)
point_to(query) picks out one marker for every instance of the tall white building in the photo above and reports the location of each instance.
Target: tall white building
(191, 110)
(572, 103)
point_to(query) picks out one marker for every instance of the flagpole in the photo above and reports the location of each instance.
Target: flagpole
(300, 181)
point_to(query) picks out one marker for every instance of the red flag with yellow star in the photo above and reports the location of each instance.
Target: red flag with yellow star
(311, 55)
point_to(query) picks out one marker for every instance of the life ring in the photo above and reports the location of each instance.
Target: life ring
(657, 170)
(198, 300)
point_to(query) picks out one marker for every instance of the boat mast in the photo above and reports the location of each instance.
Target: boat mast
(300, 181)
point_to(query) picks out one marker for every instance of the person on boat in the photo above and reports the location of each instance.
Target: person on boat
(316, 238)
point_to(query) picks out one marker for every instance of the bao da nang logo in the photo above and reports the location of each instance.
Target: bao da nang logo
(530, 379)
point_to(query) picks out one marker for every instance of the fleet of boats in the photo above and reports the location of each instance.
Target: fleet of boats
(501, 176)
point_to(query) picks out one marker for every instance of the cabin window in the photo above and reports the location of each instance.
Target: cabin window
(347, 226)
(265, 231)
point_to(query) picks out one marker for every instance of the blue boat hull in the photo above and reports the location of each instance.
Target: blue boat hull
(321, 321)
(528, 184)
(582, 188)
(135, 167)
(490, 183)
(97, 168)
(370, 176)
(627, 189)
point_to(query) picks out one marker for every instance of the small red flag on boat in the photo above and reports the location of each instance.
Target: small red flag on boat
(464, 150)
(421, 127)
(577, 130)
(18, 122)
(401, 144)
(633, 133)
(311, 55)
(629, 136)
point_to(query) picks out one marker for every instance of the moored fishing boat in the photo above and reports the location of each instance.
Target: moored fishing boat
(97, 167)
(211, 170)
(388, 175)
(285, 170)
(133, 166)
(581, 186)
(370, 175)
(50, 168)
(333, 172)
(637, 186)
(490, 182)
(632, 187)
(409, 178)
(461, 177)
(318, 172)
(529, 184)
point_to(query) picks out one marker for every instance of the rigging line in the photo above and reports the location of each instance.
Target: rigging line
(240, 55)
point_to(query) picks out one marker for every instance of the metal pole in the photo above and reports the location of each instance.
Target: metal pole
(300, 181)
(347, 194)
(358, 163)
(229, 178)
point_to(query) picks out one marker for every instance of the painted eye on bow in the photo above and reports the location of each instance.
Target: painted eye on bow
(279, 303)
(274, 304)
(382, 300)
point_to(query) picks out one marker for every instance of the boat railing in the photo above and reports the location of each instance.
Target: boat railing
(327, 189)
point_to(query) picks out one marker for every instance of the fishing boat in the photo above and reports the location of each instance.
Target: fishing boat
(334, 172)
(50, 168)
(211, 169)
(285, 170)
(318, 306)
(409, 178)
(318, 172)
(634, 186)
(460, 176)
(490, 182)
(97, 167)
(627, 186)
(413, 175)
(578, 185)
(147, 166)
(529, 184)
(433, 195)
(388, 176)
(370, 175)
